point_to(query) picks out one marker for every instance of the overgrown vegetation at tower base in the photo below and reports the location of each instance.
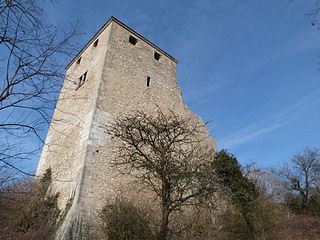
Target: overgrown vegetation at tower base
(184, 180)
(28, 211)
(122, 220)
(247, 218)
(168, 155)
(253, 213)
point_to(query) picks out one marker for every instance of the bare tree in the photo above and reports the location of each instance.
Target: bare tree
(266, 180)
(165, 153)
(314, 14)
(301, 175)
(32, 57)
(6, 177)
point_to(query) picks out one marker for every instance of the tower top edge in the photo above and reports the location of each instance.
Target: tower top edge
(113, 19)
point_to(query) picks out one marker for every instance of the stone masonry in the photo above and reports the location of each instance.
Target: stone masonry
(118, 71)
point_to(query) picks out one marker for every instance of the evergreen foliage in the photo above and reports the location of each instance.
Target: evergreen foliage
(241, 192)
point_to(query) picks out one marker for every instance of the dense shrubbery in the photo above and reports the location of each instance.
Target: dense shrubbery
(193, 224)
(27, 210)
(121, 220)
(254, 212)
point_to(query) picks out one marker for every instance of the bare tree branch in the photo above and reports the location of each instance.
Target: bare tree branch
(32, 55)
(301, 177)
(168, 155)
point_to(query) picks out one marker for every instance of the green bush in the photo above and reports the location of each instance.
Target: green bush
(253, 217)
(121, 220)
(240, 191)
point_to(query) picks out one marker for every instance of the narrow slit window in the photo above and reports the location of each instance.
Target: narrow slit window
(133, 40)
(82, 80)
(84, 76)
(79, 60)
(157, 56)
(95, 44)
(148, 81)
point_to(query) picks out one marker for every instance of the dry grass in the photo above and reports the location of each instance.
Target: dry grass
(298, 227)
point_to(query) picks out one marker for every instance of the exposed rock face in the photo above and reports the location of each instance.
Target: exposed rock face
(120, 72)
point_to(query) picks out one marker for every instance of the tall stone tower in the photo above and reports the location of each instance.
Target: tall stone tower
(116, 72)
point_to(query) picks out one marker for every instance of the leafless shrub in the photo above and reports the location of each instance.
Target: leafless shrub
(27, 211)
(122, 220)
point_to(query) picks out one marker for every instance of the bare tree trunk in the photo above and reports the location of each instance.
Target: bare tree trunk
(165, 211)
(169, 156)
(306, 197)
(162, 235)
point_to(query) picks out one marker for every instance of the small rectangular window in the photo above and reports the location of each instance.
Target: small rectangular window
(157, 56)
(148, 81)
(79, 60)
(95, 44)
(133, 40)
(82, 80)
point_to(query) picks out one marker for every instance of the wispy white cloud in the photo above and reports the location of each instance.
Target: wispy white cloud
(264, 126)
(300, 42)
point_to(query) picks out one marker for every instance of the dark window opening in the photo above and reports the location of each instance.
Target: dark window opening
(148, 81)
(79, 60)
(133, 40)
(96, 43)
(82, 79)
(157, 56)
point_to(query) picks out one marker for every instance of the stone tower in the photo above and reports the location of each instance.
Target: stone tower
(116, 72)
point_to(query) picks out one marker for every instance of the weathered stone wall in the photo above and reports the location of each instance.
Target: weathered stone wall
(77, 148)
(66, 144)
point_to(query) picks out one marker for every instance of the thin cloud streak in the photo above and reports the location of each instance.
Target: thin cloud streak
(265, 126)
(302, 42)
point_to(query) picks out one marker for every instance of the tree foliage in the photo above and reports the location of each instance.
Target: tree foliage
(241, 192)
(238, 187)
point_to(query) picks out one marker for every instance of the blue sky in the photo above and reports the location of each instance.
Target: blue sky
(249, 67)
